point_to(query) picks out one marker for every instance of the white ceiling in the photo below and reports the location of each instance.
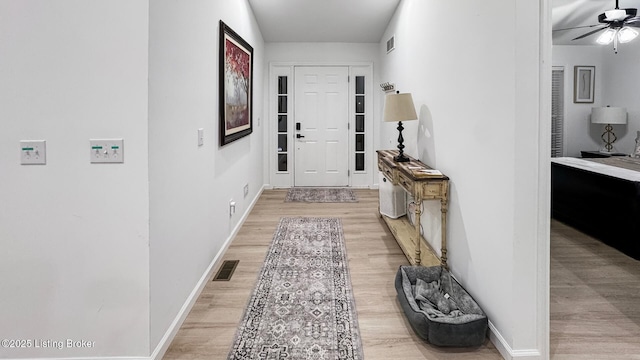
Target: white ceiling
(364, 21)
(572, 13)
(358, 21)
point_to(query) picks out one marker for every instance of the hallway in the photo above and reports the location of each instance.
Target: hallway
(374, 258)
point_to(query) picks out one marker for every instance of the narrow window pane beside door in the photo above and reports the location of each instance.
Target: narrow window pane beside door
(359, 84)
(359, 142)
(359, 123)
(359, 161)
(282, 84)
(282, 104)
(282, 142)
(360, 104)
(282, 162)
(282, 123)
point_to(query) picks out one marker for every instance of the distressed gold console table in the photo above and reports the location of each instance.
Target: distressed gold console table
(414, 177)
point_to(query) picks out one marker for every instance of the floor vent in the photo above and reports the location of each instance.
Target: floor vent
(226, 270)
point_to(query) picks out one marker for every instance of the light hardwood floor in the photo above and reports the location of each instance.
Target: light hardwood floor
(374, 257)
(595, 290)
(595, 299)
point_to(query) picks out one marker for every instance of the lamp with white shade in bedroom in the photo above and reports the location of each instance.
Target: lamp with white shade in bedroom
(609, 116)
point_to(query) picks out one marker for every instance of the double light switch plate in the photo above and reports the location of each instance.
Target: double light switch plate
(33, 152)
(106, 151)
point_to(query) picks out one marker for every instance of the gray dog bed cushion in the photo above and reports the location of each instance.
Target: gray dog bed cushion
(439, 310)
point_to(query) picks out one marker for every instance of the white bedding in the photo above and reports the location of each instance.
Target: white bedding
(598, 168)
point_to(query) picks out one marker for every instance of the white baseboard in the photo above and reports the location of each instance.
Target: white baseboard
(505, 349)
(171, 332)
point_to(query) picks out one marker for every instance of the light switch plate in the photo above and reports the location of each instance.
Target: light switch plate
(106, 151)
(33, 152)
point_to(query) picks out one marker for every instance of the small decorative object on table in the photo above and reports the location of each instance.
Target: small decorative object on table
(636, 150)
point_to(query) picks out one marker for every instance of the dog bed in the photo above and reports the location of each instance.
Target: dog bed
(439, 310)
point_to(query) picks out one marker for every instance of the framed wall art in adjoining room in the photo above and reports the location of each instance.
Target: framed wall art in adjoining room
(236, 86)
(583, 83)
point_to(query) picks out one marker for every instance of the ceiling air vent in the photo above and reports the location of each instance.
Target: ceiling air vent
(391, 44)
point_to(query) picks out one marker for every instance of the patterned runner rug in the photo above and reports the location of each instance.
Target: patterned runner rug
(302, 306)
(321, 195)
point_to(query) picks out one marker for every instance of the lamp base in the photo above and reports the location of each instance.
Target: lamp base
(609, 138)
(605, 151)
(401, 158)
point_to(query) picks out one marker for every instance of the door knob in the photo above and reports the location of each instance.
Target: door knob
(298, 136)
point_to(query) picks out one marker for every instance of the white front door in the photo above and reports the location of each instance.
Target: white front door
(322, 112)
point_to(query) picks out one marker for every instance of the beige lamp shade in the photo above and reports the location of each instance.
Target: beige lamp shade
(609, 115)
(399, 107)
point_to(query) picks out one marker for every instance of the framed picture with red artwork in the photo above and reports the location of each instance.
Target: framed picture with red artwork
(236, 86)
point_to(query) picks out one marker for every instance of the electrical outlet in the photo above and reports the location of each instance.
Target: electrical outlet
(232, 207)
(200, 137)
(246, 190)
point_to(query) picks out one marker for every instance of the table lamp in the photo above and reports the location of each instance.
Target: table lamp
(399, 107)
(609, 116)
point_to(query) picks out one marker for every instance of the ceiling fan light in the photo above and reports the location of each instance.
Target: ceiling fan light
(626, 34)
(606, 37)
(615, 15)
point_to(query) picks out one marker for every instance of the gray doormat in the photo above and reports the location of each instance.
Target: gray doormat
(321, 195)
(302, 306)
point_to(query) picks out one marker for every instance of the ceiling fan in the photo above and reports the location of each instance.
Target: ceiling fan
(618, 27)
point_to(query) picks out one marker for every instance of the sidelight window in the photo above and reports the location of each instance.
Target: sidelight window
(360, 114)
(283, 118)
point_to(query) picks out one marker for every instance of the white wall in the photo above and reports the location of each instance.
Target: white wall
(321, 53)
(113, 254)
(74, 236)
(580, 134)
(191, 186)
(620, 88)
(478, 97)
